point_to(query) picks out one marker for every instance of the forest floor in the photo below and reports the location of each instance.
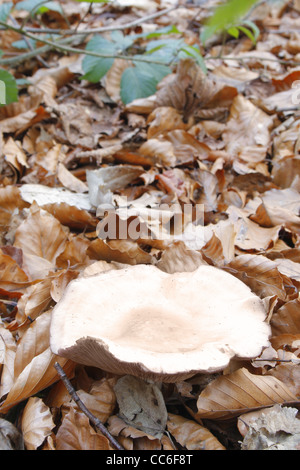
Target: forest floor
(216, 127)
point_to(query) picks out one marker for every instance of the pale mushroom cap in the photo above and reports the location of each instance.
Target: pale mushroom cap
(167, 327)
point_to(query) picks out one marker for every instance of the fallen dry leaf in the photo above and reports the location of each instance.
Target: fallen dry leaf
(233, 394)
(37, 423)
(192, 435)
(76, 433)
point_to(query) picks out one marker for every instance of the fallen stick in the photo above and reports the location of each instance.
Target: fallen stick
(97, 423)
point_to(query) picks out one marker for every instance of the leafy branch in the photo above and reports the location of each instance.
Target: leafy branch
(155, 53)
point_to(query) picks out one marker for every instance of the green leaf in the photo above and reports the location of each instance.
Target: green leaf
(255, 29)
(247, 32)
(95, 67)
(8, 88)
(121, 42)
(233, 31)
(5, 10)
(226, 16)
(156, 71)
(135, 83)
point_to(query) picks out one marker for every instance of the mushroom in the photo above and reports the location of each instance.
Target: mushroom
(163, 327)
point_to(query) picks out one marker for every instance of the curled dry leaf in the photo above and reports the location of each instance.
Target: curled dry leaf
(76, 433)
(40, 235)
(58, 197)
(15, 155)
(174, 148)
(189, 89)
(178, 258)
(112, 81)
(10, 437)
(71, 216)
(8, 349)
(35, 299)
(260, 274)
(10, 202)
(37, 423)
(289, 374)
(165, 118)
(60, 283)
(275, 429)
(34, 363)
(11, 274)
(233, 394)
(286, 320)
(248, 131)
(69, 181)
(192, 435)
(101, 398)
(121, 251)
(249, 235)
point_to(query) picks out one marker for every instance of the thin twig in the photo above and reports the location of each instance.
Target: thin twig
(30, 46)
(40, 50)
(102, 29)
(262, 59)
(59, 46)
(97, 423)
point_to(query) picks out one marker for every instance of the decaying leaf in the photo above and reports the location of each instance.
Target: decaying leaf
(10, 436)
(277, 428)
(141, 405)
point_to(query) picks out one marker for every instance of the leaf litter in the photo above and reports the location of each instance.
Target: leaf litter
(227, 139)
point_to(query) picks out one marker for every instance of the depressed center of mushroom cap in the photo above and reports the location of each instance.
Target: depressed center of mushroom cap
(166, 322)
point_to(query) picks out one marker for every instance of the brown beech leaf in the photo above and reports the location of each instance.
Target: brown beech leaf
(10, 272)
(35, 300)
(69, 181)
(15, 155)
(40, 235)
(248, 131)
(175, 147)
(10, 201)
(260, 274)
(192, 435)
(189, 89)
(165, 118)
(287, 319)
(74, 255)
(122, 251)
(178, 258)
(8, 349)
(72, 216)
(59, 283)
(249, 235)
(76, 433)
(39, 374)
(34, 341)
(286, 170)
(34, 363)
(238, 392)
(289, 374)
(101, 398)
(37, 423)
